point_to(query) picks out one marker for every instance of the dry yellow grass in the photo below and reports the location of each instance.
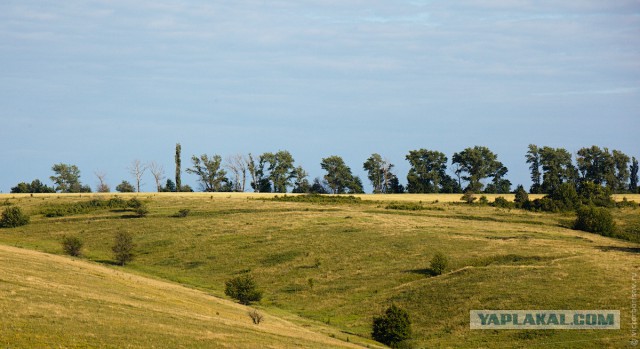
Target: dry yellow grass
(48, 300)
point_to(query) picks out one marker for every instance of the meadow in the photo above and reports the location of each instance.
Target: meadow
(324, 267)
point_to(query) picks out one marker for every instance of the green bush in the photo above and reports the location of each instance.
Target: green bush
(393, 327)
(244, 289)
(595, 220)
(468, 197)
(72, 245)
(142, 211)
(521, 198)
(13, 217)
(502, 203)
(123, 248)
(439, 263)
(182, 213)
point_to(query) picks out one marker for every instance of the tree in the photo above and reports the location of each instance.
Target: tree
(34, 187)
(178, 165)
(533, 159)
(137, 169)
(13, 217)
(300, 182)
(618, 183)
(439, 263)
(169, 186)
(633, 176)
(259, 183)
(281, 169)
(157, 171)
(393, 327)
(67, 179)
(595, 164)
(244, 289)
(237, 164)
(103, 187)
(499, 185)
(319, 187)
(379, 173)
(209, 171)
(595, 220)
(428, 172)
(72, 245)
(557, 168)
(125, 187)
(478, 163)
(521, 196)
(339, 177)
(123, 248)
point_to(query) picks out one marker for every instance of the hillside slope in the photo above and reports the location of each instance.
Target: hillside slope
(48, 300)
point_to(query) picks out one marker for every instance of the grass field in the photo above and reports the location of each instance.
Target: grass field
(332, 267)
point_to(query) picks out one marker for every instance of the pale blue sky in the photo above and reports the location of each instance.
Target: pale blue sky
(101, 83)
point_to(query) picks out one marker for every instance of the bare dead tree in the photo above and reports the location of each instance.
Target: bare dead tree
(137, 169)
(158, 174)
(103, 187)
(237, 164)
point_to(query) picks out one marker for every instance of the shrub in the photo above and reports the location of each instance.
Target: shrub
(256, 317)
(521, 197)
(123, 248)
(142, 211)
(182, 213)
(483, 200)
(595, 220)
(393, 327)
(439, 263)
(502, 203)
(244, 289)
(72, 245)
(468, 197)
(13, 217)
(134, 203)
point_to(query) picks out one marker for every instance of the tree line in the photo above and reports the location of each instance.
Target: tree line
(474, 169)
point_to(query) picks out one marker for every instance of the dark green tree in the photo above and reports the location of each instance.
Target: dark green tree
(301, 183)
(209, 170)
(178, 167)
(339, 177)
(428, 172)
(595, 165)
(169, 186)
(281, 169)
(34, 187)
(633, 176)
(259, 182)
(618, 183)
(521, 196)
(393, 327)
(557, 168)
(244, 289)
(13, 217)
(125, 187)
(67, 179)
(72, 245)
(379, 173)
(123, 248)
(478, 163)
(499, 184)
(533, 159)
(318, 187)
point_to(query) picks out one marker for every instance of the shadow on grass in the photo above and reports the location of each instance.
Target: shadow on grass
(619, 249)
(107, 262)
(130, 216)
(428, 272)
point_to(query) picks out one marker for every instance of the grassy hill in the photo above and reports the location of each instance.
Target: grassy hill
(340, 264)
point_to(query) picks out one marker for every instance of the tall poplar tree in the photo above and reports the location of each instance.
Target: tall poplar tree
(178, 181)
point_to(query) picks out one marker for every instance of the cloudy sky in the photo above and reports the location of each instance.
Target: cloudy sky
(101, 83)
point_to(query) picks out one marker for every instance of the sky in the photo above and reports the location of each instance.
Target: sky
(99, 84)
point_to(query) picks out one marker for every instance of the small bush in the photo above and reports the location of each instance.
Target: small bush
(142, 211)
(123, 248)
(521, 198)
(182, 213)
(244, 289)
(502, 203)
(134, 203)
(595, 220)
(13, 217)
(468, 197)
(393, 327)
(409, 206)
(439, 263)
(72, 245)
(483, 200)
(256, 317)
